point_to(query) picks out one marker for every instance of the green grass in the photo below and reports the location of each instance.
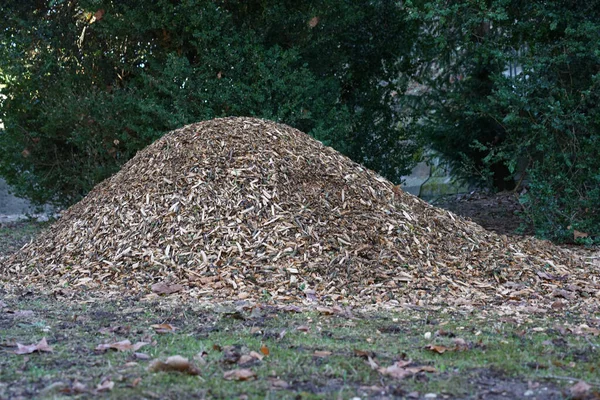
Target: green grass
(507, 355)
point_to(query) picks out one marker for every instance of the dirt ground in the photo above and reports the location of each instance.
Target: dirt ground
(497, 212)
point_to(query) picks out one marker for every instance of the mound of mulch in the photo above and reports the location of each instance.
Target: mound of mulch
(246, 208)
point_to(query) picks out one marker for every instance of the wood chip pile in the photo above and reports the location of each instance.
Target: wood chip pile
(246, 208)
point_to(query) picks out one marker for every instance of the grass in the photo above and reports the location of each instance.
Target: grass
(511, 356)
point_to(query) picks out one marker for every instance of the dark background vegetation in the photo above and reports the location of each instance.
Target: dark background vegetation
(91, 82)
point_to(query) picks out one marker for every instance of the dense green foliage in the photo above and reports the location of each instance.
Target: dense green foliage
(91, 82)
(542, 124)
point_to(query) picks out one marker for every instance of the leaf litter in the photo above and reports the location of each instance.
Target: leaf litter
(245, 208)
(41, 346)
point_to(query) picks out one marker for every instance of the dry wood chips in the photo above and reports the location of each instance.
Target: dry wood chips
(245, 208)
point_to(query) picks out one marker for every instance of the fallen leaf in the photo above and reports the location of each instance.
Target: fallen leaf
(363, 353)
(135, 382)
(174, 364)
(264, 349)
(105, 386)
(123, 345)
(321, 353)
(460, 344)
(437, 348)
(578, 234)
(121, 330)
(372, 363)
(75, 388)
(239, 375)
(163, 328)
(130, 364)
(166, 288)
(231, 355)
(325, 310)
(257, 355)
(314, 21)
(396, 371)
(245, 359)
(98, 15)
(303, 328)
(400, 369)
(42, 346)
(580, 390)
(141, 356)
(278, 383)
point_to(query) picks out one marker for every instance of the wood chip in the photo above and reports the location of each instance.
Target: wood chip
(242, 207)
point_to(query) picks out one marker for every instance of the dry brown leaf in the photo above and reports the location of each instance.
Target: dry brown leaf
(256, 355)
(166, 288)
(135, 382)
(363, 353)
(123, 345)
(41, 346)
(277, 383)
(325, 310)
(580, 390)
(239, 375)
(163, 328)
(76, 388)
(245, 359)
(460, 344)
(321, 353)
(99, 14)
(372, 363)
(314, 21)
(303, 328)
(105, 385)
(401, 370)
(176, 364)
(396, 371)
(437, 348)
(265, 350)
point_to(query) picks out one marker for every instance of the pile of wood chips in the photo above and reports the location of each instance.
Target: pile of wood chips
(241, 208)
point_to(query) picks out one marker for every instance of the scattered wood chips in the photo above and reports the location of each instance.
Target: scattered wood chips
(241, 207)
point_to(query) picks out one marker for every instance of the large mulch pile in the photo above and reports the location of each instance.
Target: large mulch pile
(245, 208)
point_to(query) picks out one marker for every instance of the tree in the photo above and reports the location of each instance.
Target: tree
(543, 122)
(89, 82)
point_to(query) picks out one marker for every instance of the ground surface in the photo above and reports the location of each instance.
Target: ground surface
(261, 350)
(500, 212)
(286, 352)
